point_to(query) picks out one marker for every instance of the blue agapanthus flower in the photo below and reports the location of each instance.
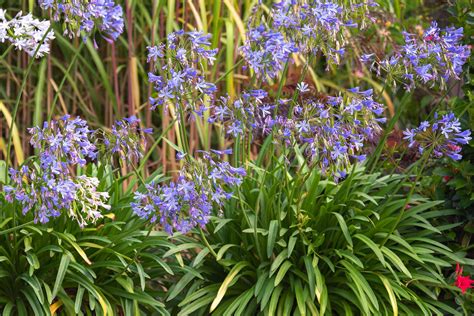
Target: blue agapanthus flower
(188, 201)
(267, 52)
(127, 139)
(178, 78)
(430, 59)
(306, 27)
(332, 131)
(64, 142)
(51, 188)
(87, 16)
(443, 137)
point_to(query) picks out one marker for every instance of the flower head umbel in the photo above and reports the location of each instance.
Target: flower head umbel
(63, 143)
(87, 16)
(431, 59)
(248, 114)
(178, 79)
(49, 195)
(331, 131)
(127, 139)
(26, 33)
(50, 188)
(267, 51)
(188, 202)
(443, 137)
(307, 27)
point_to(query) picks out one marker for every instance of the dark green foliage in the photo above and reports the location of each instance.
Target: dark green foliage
(111, 268)
(301, 245)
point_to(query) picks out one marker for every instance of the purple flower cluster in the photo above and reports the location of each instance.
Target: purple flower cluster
(249, 113)
(332, 131)
(266, 51)
(187, 202)
(50, 189)
(127, 139)
(307, 27)
(444, 137)
(26, 33)
(179, 80)
(87, 16)
(49, 194)
(431, 59)
(63, 143)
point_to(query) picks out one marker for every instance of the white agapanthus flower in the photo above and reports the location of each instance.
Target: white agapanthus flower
(26, 33)
(89, 201)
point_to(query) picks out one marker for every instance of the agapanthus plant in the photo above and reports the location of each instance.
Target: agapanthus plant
(332, 131)
(187, 202)
(127, 139)
(63, 143)
(245, 114)
(50, 188)
(179, 79)
(442, 138)
(26, 33)
(87, 16)
(430, 59)
(306, 27)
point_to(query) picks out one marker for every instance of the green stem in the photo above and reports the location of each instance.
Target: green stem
(407, 200)
(280, 87)
(300, 80)
(247, 219)
(17, 102)
(391, 125)
(183, 133)
(13, 229)
(68, 70)
(206, 242)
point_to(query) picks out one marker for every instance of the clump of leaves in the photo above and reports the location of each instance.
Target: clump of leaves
(113, 267)
(305, 245)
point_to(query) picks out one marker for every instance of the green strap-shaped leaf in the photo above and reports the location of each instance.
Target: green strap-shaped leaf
(176, 249)
(272, 235)
(374, 247)
(300, 298)
(391, 294)
(396, 261)
(223, 250)
(63, 265)
(311, 276)
(361, 283)
(141, 274)
(7, 310)
(79, 297)
(274, 300)
(282, 272)
(278, 260)
(223, 288)
(345, 230)
(188, 277)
